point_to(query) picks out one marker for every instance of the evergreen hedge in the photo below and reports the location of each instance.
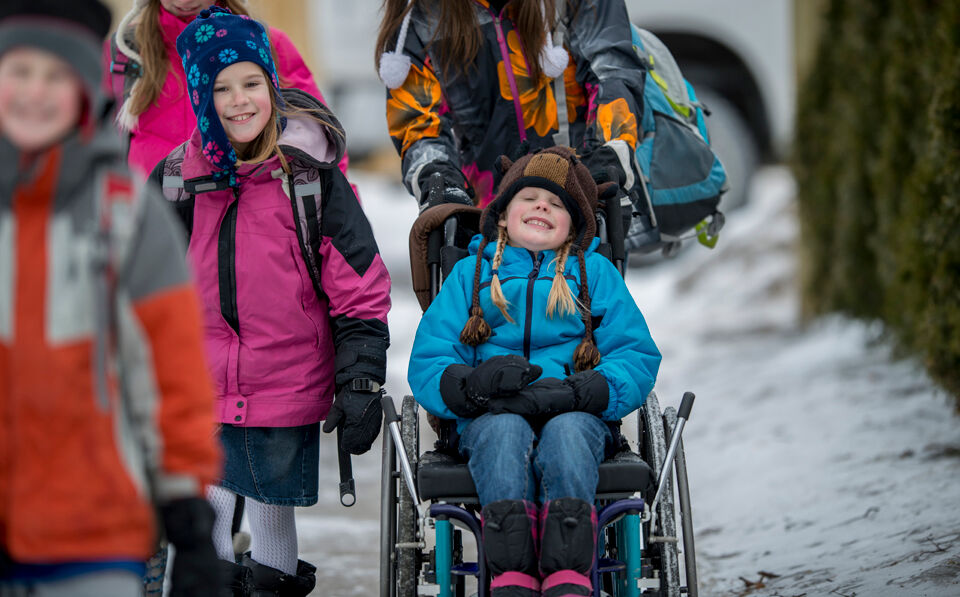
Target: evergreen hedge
(877, 162)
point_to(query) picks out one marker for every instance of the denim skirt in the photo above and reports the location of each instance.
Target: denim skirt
(273, 465)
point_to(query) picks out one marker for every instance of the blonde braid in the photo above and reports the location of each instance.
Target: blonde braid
(560, 297)
(496, 291)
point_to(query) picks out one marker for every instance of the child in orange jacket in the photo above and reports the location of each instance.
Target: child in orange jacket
(105, 403)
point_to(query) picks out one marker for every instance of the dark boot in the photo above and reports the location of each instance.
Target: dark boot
(270, 582)
(568, 531)
(509, 543)
(237, 580)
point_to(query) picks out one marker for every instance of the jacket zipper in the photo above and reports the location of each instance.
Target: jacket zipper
(508, 69)
(528, 320)
(227, 264)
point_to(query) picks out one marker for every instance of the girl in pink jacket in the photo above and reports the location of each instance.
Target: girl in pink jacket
(293, 334)
(144, 72)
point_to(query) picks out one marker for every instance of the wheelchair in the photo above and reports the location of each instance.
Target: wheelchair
(429, 501)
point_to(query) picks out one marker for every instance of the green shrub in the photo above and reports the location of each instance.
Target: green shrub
(877, 161)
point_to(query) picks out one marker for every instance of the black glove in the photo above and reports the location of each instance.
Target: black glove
(466, 390)
(188, 523)
(586, 391)
(604, 165)
(442, 183)
(501, 375)
(360, 414)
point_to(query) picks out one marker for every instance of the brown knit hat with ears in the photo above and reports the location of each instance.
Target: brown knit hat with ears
(558, 170)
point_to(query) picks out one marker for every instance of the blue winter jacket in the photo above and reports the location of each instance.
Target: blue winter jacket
(630, 358)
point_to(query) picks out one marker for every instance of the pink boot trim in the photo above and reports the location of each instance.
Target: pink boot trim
(566, 577)
(515, 579)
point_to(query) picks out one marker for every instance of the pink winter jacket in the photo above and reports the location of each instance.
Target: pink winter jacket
(271, 342)
(169, 121)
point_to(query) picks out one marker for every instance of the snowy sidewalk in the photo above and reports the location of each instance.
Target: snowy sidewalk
(813, 453)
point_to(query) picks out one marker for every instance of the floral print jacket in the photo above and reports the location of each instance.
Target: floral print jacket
(467, 121)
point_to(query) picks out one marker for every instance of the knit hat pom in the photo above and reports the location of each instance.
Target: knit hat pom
(394, 67)
(553, 59)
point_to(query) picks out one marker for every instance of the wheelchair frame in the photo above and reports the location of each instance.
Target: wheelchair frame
(637, 553)
(638, 547)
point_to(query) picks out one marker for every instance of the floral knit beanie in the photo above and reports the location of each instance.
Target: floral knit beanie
(213, 41)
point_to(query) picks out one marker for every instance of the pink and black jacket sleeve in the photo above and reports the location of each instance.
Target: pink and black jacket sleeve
(356, 283)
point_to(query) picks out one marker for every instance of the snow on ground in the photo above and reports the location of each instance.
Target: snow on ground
(819, 462)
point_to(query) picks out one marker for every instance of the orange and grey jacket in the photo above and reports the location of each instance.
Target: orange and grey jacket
(106, 403)
(467, 121)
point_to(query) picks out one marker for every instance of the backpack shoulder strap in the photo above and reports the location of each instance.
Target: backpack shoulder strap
(305, 198)
(169, 177)
(124, 71)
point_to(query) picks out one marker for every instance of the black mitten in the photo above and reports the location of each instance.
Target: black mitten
(188, 523)
(454, 392)
(501, 375)
(590, 391)
(547, 396)
(360, 414)
(586, 391)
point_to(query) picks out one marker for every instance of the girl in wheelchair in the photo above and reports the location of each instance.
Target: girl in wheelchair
(532, 347)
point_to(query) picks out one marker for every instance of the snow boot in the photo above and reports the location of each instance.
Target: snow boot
(509, 543)
(270, 582)
(237, 580)
(568, 531)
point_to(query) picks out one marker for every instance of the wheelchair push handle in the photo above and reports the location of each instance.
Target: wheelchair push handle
(389, 410)
(686, 404)
(348, 488)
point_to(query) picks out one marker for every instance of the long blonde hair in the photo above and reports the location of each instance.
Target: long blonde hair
(152, 51)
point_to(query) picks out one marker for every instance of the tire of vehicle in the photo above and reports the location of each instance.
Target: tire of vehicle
(662, 540)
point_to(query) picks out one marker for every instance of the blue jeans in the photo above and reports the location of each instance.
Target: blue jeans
(511, 460)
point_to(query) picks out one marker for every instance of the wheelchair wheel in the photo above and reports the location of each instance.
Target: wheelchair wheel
(408, 558)
(686, 515)
(662, 540)
(388, 516)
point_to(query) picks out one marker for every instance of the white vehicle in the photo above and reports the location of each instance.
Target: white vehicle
(738, 54)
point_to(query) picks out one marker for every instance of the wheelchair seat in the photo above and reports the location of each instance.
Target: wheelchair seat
(443, 476)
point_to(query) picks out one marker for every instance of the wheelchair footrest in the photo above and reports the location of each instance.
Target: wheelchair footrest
(466, 569)
(605, 565)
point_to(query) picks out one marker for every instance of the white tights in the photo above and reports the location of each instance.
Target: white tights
(273, 530)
